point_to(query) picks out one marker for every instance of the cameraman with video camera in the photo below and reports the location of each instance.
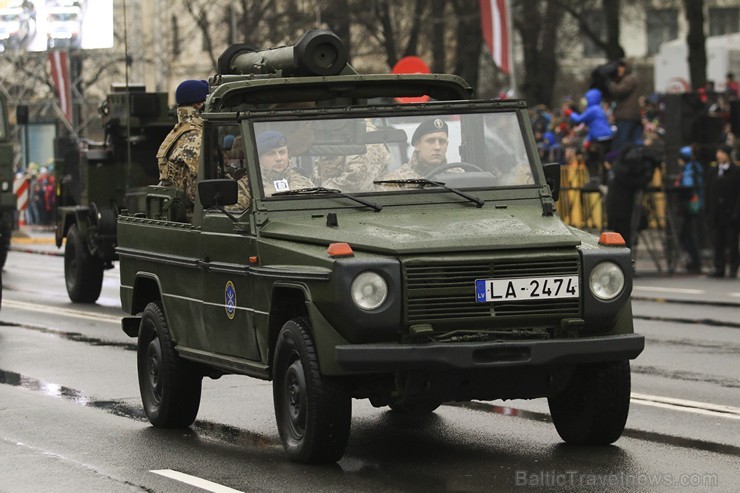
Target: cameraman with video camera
(622, 87)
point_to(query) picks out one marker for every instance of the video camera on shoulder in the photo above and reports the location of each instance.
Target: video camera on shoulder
(601, 75)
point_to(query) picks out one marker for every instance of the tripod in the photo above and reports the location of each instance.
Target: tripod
(646, 211)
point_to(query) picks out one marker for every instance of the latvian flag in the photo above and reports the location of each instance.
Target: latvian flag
(495, 20)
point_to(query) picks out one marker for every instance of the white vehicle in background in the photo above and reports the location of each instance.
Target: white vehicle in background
(64, 27)
(672, 66)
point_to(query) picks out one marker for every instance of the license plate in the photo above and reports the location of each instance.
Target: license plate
(528, 288)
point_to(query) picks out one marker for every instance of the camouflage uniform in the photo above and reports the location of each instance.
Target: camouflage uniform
(244, 196)
(178, 157)
(357, 172)
(291, 180)
(412, 170)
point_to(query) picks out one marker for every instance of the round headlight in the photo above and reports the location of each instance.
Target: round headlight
(369, 290)
(606, 281)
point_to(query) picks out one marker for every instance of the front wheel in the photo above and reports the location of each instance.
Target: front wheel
(313, 412)
(83, 271)
(593, 408)
(170, 387)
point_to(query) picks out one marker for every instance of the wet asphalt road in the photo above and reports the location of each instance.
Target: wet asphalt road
(71, 419)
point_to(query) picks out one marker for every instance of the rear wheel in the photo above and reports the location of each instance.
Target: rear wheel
(593, 408)
(83, 272)
(170, 386)
(313, 412)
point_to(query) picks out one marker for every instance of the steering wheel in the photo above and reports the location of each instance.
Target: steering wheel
(445, 167)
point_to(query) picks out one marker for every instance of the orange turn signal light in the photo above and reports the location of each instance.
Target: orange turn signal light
(340, 250)
(611, 238)
(253, 260)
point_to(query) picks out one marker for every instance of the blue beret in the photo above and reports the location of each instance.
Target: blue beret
(685, 153)
(191, 91)
(427, 127)
(269, 140)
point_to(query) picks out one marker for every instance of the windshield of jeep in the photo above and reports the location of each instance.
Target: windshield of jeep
(388, 154)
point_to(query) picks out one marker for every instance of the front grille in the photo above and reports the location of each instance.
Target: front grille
(442, 291)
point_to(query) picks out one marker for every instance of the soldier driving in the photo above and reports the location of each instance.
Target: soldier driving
(430, 141)
(179, 155)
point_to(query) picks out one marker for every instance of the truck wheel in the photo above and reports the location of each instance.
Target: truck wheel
(313, 412)
(593, 408)
(170, 387)
(83, 272)
(4, 247)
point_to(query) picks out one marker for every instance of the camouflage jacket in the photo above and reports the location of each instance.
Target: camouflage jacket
(357, 172)
(179, 155)
(280, 182)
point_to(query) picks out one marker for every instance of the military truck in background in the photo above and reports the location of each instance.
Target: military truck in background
(460, 283)
(8, 203)
(98, 179)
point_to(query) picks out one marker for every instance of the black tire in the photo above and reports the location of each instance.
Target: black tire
(83, 272)
(170, 386)
(6, 232)
(313, 412)
(593, 408)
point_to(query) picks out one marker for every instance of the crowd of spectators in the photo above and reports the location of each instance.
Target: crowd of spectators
(41, 195)
(596, 134)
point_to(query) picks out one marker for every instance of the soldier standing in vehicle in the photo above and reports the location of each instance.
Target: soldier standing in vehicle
(179, 155)
(430, 141)
(277, 175)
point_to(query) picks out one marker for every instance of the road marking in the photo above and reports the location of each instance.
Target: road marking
(55, 310)
(195, 481)
(735, 295)
(695, 407)
(668, 290)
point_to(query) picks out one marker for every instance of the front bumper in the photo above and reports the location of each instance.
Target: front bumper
(388, 357)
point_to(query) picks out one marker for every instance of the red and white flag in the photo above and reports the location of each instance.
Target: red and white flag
(495, 22)
(60, 74)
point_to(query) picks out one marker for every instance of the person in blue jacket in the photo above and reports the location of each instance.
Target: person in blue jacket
(690, 183)
(599, 138)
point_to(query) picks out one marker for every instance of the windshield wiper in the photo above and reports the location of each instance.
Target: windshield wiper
(331, 191)
(423, 182)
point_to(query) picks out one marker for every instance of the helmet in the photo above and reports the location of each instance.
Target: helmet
(685, 153)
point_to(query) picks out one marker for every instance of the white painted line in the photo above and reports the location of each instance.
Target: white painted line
(55, 310)
(687, 406)
(734, 295)
(195, 481)
(668, 290)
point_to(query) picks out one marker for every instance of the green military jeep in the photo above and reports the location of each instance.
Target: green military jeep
(408, 290)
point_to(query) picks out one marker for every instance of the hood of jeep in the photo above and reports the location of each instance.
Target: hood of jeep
(408, 232)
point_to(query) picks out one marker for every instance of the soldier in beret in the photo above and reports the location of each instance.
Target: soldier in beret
(178, 157)
(430, 141)
(277, 175)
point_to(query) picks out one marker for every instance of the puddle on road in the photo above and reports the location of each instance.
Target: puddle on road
(202, 429)
(74, 336)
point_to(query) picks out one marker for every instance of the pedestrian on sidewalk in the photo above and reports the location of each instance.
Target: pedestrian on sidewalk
(690, 183)
(723, 212)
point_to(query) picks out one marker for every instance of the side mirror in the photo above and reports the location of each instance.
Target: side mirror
(217, 193)
(552, 177)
